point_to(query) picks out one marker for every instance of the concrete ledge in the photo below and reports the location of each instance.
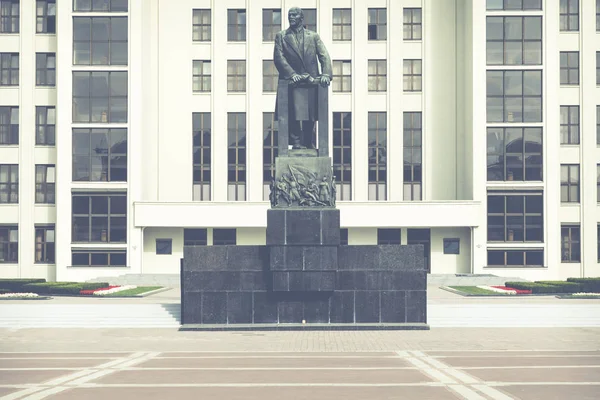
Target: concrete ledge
(306, 327)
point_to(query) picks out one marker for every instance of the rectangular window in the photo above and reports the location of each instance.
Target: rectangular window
(515, 217)
(9, 244)
(100, 97)
(569, 124)
(570, 243)
(100, 5)
(569, 68)
(45, 13)
(514, 96)
(569, 183)
(45, 126)
(388, 236)
(270, 146)
(514, 40)
(344, 236)
(164, 246)
(413, 156)
(98, 258)
(310, 19)
(342, 24)
(569, 15)
(44, 244)
(342, 154)
(377, 155)
(236, 75)
(9, 69)
(99, 218)
(201, 76)
(598, 25)
(224, 237)
(100, 40)
(100, 155)
(377, 28)
(421, 236)
(9, 183)
(452, 246)
(271, 23)
(45, 181)
(377, 75)
(9, 125)
(515, 258)
(342, 76)
(236, 156)
(9, 16)
(270, 76)
(201, 25)
(412, 75)
(195, 237)
(413, 24)
(514, 5)
(201, 131)
(236, 25)
(514, 154)
(45, 69)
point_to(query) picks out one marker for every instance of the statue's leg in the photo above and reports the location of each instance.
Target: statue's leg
(295, 134)
(307, 134)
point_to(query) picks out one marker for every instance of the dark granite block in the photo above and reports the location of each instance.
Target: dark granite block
(416, 306)
(410, 280)
(351, 280)
(245, 258)
(296, 281)
(307, 281)
(214, 307)
(281, 281)
(393, 306)
(330, 222)
(265, 308)
(204, 258)
(319, 258)
(290, 312)
(219, 280)
(342, 307)
(380, 280)
(409, 257)
(191, 305)
(358, 257)
(277, 258)
(367, 306)
(252, 281)
(275, 227)
(316, 311)
(239, 308)
(303, 227)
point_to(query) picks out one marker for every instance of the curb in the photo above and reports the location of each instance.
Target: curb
(449, 289)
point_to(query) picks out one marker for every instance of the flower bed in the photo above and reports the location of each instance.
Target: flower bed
(106, 290)
(19, 295)
(517, 291)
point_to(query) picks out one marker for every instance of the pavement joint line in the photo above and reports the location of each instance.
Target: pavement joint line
(566, 383)
(252, 385)
(528, 356)
(493, 393)
(266, 368)
(45, 393)
(530, 367)
(465, 392)
(19, 394)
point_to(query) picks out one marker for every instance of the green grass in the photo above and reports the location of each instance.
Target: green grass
(475, 290)
(133, 292)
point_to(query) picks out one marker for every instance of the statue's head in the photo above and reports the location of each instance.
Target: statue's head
(295, 17)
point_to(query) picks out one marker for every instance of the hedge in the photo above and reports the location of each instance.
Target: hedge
(63, 287)
(4, 291)
(535, 287)
(563, 287)
(590, 285)
(16, 285)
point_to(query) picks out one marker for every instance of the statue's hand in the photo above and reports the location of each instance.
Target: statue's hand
(296, 78)
(325, 80)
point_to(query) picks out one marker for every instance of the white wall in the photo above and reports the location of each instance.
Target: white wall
(162, 263)
(450, 263)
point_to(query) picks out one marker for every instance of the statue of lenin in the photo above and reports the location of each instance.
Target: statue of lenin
(295, 56)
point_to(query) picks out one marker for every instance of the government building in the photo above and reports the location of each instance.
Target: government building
(130, 128)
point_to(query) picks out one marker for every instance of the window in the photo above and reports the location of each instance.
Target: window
(270, 150)
(514, 5)
(598, 67)
(569, 68)
(194, 237)
(452, 246)
(569, 15)
(344, 236)
(9, 69)
(598, 183)
(377, 29)
(201, 76)
(236, 156)
(377, 155)
(413, 149)
(100, 40)
(515, 258)
(515, 217)
(569, 183)
(342, 76)
(310, 19)
(270, 76)
(45, 125)
(412, 75)
(514, 96)
(98, 258)
(236, 25)
(201, 25)
(99, 97)
(598, 23)
(421, 236)
(570, 243)
(224, 237)
(201, 131)
(514, 40)
(236, 75)
(342, 154)
(388, 236)
(164, 246)
(45, 13)
(271, 23)
(44, 244)
(100, 5)
(342, 24)
(45, 69)
(413, 28)
(45, 180)
(9, 125)
(569, 124)
(99, 218)
(9, 16)
(100, 155)
(9, 244)
(514, 154)
(9, 183)
(377, 75)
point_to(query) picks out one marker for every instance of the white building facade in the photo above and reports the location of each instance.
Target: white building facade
(129, 128)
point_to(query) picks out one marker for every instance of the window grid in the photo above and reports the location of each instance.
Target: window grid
(598, 28)
(9, 244)
(98, 258)
(9, 125)
(514, 96)
(514, 5)
(195, 237)
(270, 151)
(388, 236)
(45, 181)
(201, 76)
(271, 23)
(45, 126)
(224, 236)
(270, 76)
(514, 154)
(99, 218)
(100, 40)
(45, 13)
(569, 183)
(201, 25)
(164, 246)
(514, 40)
(413, 28)
(100, 6)
(9, 183)
(342, 76)
(569, 15)
(45, 69)
(377, 155)
(377, 75)
(413, 148)
(342, 24)
(9, 16)
(201, 132)
(571, 242)
(236, 156)
(310, 19)
(569, 68)
(515, 217)
(515, 258)
(100, 155)
(236, 25)
(377, 28)
(412, 75)
(9, 69)
(569, 124)
(598, 67)
(44, 244)
(236, 75)
(100, 97)
(342, 154)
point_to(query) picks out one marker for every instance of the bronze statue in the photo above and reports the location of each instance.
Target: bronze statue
(296, 52)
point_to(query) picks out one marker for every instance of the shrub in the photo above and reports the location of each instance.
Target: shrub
(44, 287)
(93, 285)
(587, 284)
(535, 287)
(65, 289)
(4, 291)
(564, 287)
(16, 285)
